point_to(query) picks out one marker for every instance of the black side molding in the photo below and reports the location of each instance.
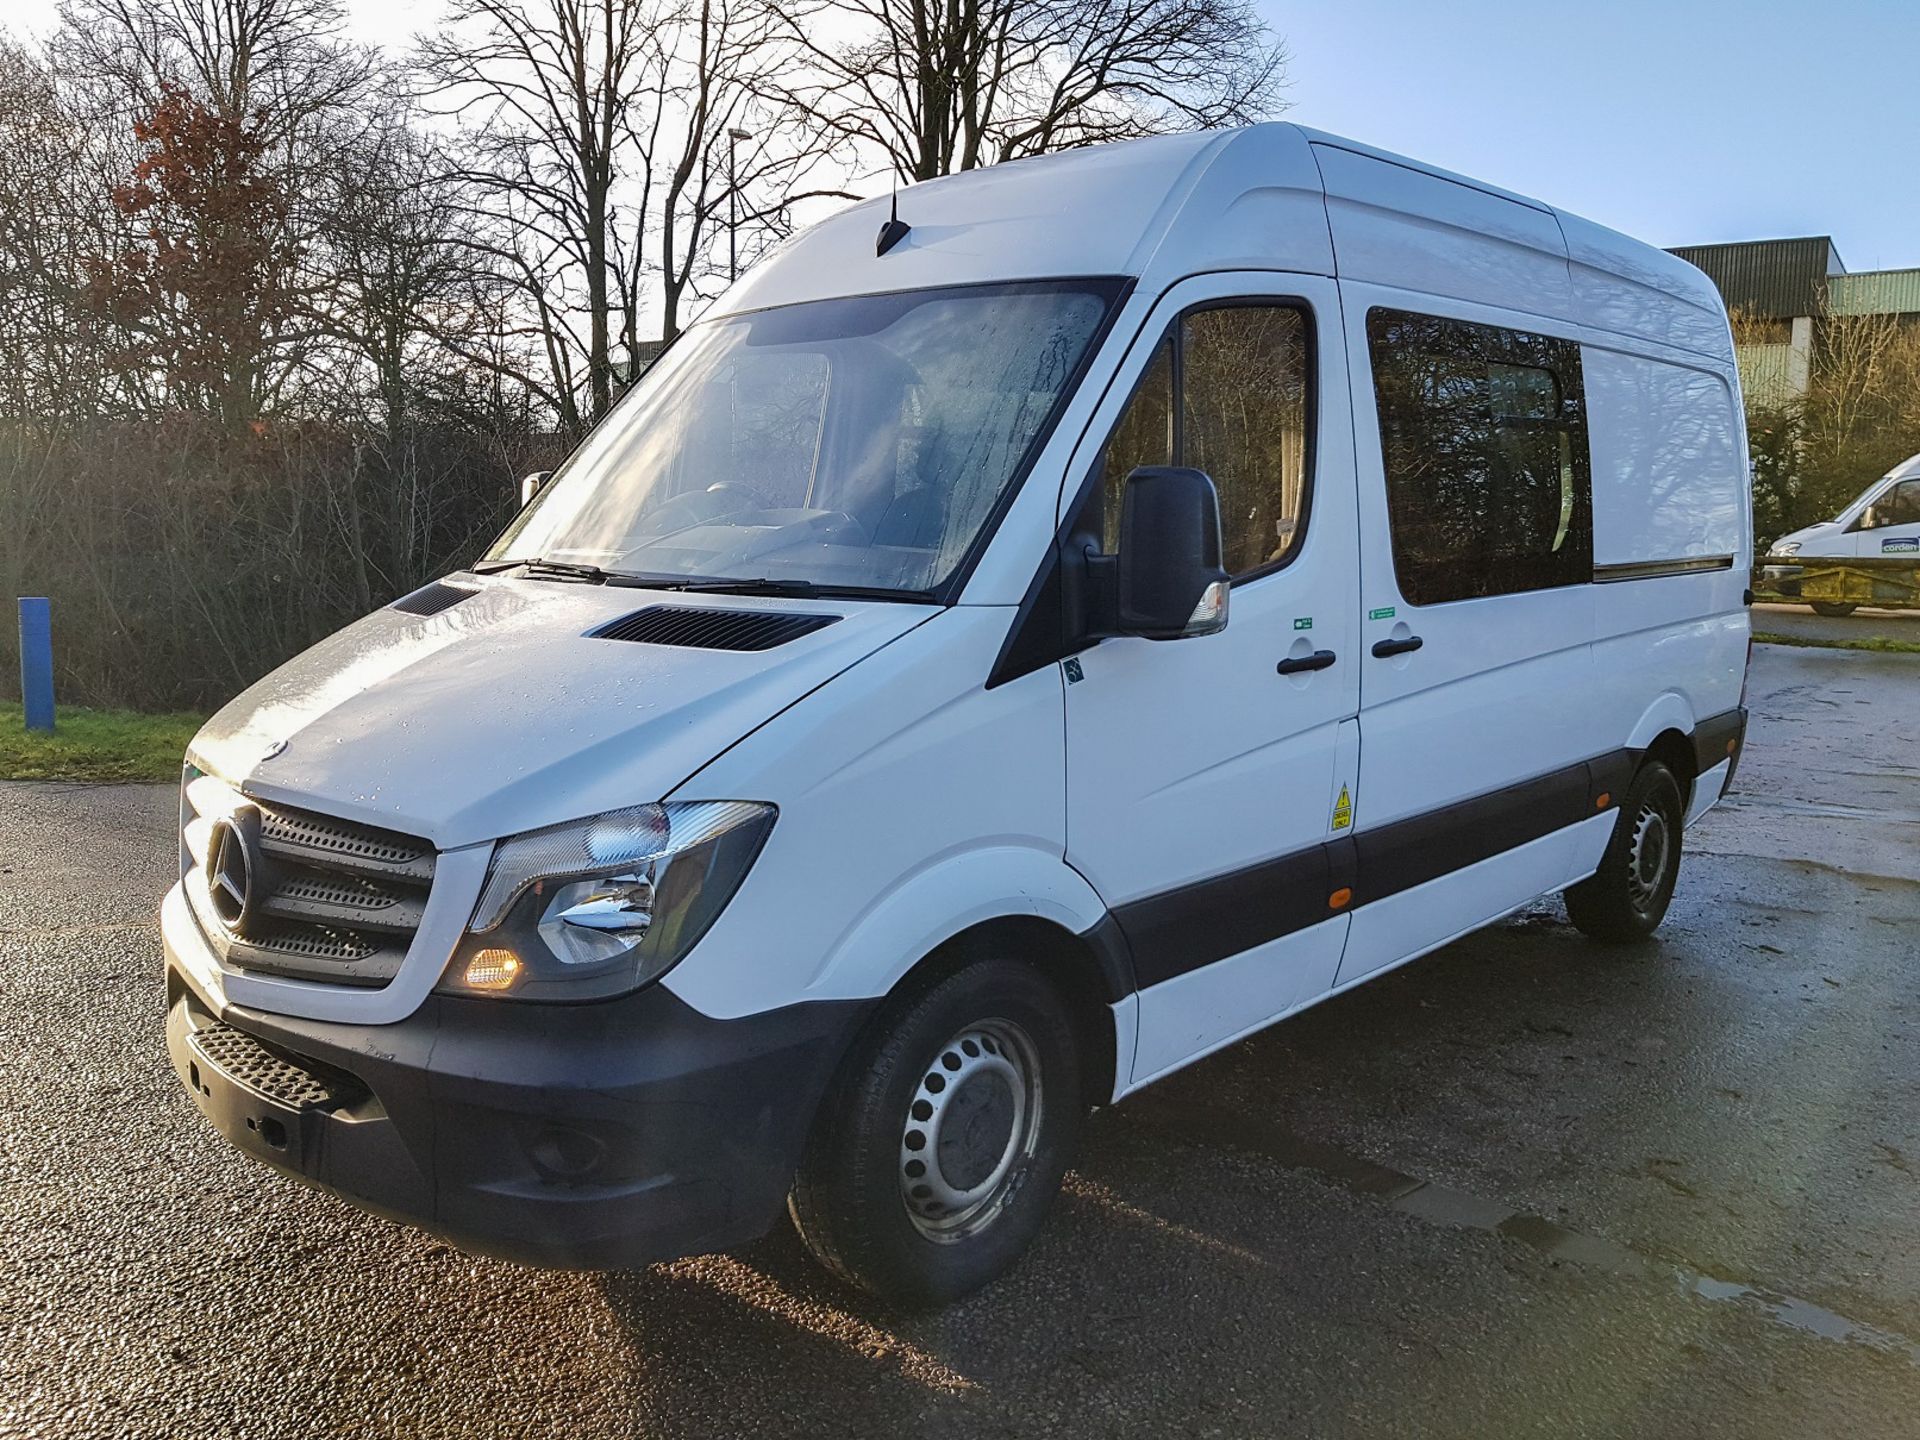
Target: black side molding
(1183, 929)
(1717, 738)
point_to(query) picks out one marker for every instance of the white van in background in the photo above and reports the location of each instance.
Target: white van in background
(1883, 522)
(982, 668)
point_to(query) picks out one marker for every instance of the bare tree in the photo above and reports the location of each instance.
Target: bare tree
(738, 159)
(278, 64)
(554, 91)
(938, 86)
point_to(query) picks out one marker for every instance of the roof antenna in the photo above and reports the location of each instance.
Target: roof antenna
(895, 230)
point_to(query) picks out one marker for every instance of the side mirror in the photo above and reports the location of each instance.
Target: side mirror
(1169, 581)
(531, 485)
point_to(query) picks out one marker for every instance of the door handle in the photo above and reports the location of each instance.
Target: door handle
(1318, 660)
(1384, 648)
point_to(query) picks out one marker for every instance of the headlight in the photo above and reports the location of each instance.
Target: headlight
(597, 907)
(1785, 549)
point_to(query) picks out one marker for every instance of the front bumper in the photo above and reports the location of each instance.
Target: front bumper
(1781, 577)
(597, 1136)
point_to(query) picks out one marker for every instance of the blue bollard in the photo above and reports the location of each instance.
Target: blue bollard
(36, 663)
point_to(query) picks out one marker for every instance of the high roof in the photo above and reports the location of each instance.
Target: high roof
(1268, 197)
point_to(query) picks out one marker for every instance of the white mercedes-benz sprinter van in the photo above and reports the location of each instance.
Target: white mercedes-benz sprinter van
(976, 672)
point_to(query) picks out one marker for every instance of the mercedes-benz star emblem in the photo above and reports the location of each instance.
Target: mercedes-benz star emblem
(233, 866)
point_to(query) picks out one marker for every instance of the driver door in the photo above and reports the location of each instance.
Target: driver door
(1206, 775)
(1890, 526)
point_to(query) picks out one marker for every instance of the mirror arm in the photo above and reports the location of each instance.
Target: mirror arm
(1090, 593)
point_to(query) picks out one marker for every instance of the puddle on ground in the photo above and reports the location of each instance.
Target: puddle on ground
(1444, 1205)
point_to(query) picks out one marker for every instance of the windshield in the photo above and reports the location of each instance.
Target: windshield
(857, 444)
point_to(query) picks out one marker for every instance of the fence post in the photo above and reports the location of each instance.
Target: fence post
(36, 662)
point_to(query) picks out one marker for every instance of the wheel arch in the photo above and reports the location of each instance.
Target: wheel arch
(1665, 733)
(1084, 968)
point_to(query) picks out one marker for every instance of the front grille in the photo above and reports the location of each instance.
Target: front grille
(246, 1060)
(342, 837)
(330, 900)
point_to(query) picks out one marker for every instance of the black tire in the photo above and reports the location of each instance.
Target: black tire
(1003, 1029)
(1625, 900)
(1831, 610)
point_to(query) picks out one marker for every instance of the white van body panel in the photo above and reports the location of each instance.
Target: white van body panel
(1623, 286)
(504, 713)
(1669, 466)
(1156, 209)
(911, 806)
(1405, 226)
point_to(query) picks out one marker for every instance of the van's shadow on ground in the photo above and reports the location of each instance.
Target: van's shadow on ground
(1176, 1276)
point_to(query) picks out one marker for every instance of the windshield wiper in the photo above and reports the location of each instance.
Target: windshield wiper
(803, 589)
(566, 569)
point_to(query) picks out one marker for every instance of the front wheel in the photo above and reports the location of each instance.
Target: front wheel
(1627, 897)
(1831, 610)
(944, 1140)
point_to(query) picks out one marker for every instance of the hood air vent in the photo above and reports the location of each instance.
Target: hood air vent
(432, 598)
(713, 629)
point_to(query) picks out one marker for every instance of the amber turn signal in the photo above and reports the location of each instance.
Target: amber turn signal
(1340, 898)
(492, 969)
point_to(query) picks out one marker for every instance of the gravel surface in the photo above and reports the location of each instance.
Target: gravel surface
(1492, 1194)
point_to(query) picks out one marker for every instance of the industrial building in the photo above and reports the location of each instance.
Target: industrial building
(1783, 288)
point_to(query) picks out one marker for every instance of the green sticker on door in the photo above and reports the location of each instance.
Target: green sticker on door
(1385, 612)
(1303, 622)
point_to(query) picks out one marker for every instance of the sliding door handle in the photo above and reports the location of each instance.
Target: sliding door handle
(1384, 648)
(1318, 660)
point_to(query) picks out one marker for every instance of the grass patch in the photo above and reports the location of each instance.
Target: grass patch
(1866, 642)
(103, 745)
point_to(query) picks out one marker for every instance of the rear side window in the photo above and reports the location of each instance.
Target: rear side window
(1227, 392)
(1483, 435)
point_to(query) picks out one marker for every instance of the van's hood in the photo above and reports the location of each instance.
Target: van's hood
(502, 713)
(1813, 539)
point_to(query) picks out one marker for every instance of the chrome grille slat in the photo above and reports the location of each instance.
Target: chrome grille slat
(335, 900)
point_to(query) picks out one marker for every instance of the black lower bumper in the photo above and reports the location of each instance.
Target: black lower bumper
(594, 1136)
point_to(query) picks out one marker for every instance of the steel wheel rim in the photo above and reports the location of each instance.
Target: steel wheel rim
(971, 1131)
(1647, 857)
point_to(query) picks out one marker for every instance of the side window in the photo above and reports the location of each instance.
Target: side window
(1483, 435)
(1228, 392)
(1899, 506)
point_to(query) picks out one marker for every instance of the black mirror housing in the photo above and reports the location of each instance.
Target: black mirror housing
(1169, 582)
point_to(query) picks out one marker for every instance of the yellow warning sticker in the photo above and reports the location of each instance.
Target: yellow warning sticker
(1343, 810)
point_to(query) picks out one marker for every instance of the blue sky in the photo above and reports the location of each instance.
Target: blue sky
(1678, 121)
(1681, 122)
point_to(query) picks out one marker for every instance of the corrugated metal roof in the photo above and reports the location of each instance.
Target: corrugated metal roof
(1875, 292)
(1770, 277)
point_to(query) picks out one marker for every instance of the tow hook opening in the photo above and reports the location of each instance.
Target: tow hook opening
(269, 1130)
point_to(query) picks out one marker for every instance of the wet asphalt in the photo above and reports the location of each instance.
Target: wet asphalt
(1527, 1186)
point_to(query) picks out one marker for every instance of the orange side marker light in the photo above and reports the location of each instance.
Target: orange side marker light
(1602, 800)
(1340, 898)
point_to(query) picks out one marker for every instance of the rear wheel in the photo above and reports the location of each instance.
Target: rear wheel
(1831, 610)
(1627, 897)
(944, 1140)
